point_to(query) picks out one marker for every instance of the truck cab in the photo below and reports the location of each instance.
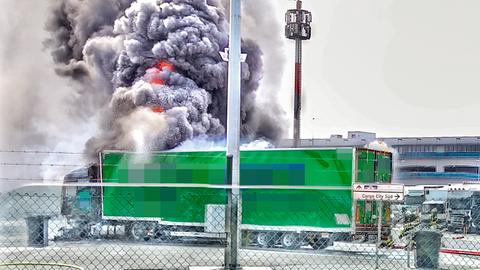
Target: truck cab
(433, 213)
(81, 205)
(463, 210)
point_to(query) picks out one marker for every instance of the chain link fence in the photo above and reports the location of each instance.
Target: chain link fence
(87, 228)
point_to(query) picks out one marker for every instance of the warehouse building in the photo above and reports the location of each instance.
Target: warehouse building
(418, 160)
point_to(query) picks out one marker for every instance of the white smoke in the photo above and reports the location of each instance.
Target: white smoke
(204, 143)
(257, 145)
(379, 146)
(139, 130)
(38, 110)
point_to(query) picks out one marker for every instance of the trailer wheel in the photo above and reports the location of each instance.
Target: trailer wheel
(140, 231)
(264, 239)
(290, 241)
(319, 243)
(161, 235)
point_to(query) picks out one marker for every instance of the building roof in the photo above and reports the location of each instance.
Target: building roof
(361, 138)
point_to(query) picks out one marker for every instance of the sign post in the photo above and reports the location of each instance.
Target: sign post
(380, 193)
(379, 231)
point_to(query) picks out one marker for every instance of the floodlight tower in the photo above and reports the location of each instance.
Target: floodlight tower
(298, 28)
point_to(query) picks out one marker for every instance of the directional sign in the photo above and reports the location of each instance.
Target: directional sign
(378, 188)
(378, 192)
(378, 196)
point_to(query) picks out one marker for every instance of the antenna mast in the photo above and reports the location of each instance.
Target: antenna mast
(298, 28)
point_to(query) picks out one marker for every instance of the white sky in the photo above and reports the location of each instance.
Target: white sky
(394, 67)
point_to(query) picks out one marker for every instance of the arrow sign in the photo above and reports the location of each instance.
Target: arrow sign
(378, 196)
(378, 192)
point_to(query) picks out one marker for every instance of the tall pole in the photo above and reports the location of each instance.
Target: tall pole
(298, 28)
(297, 103)
(233, 138)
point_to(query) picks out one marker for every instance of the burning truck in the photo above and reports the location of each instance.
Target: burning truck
(290, 197)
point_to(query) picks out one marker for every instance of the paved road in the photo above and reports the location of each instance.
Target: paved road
(120, 255)
(110, 254)
(459, 241)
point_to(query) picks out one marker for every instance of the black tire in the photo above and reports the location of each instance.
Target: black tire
(139, 231)
(264, 239)
(318, 243)
(161, 236)
(290, 241)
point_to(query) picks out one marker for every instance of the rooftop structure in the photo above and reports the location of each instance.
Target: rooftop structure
(418, 160)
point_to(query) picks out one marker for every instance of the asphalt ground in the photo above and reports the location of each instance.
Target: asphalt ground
(116, 254)
(103, 254)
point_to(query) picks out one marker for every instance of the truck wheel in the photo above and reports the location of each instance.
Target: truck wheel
(319, 243)
(290, 241)
(160, 235)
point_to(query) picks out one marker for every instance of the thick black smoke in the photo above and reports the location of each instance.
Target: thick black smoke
(155, 69)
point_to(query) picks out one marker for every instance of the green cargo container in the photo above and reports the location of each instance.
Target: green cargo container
(320, 197)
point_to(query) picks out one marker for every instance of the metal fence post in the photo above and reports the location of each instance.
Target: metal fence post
(408, 255)
(231, 221)
(233, 134)
(379, 232)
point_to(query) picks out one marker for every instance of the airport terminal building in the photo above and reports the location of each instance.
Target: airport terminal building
(418, 160)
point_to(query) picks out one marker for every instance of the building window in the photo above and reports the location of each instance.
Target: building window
(417, 169)
(462, 169)
(421, 148)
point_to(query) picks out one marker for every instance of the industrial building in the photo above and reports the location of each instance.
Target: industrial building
(418, 160)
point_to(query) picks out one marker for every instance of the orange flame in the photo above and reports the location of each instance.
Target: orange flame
(164, 64)
(157, 69)
(157, 109)
(156, 80)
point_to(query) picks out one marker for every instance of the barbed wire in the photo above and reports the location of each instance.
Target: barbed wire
(41, 179)
(41, 152)
(41, 164)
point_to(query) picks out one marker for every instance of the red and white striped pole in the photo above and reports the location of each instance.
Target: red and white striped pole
(298, 28)
(297, 109)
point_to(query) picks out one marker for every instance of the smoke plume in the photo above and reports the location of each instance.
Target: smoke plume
(154, 71)
(37, 108)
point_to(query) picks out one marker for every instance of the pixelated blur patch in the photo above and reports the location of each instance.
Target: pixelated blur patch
(273, 174)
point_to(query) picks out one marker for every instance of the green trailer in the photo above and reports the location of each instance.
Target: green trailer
(286, 194)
